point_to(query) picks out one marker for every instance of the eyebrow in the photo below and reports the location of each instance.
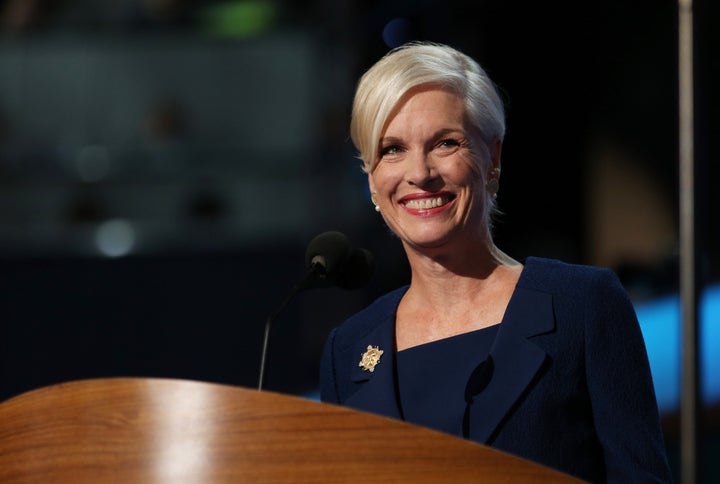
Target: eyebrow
(437, 135)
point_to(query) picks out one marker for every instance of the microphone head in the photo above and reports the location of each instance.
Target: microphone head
(326, 254)
(358, 269)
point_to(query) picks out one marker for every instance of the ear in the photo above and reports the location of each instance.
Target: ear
(371, 183)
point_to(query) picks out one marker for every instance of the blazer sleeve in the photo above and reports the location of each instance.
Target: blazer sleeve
(621, 386)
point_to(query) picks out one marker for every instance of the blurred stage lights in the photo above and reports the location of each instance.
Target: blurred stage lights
(396, 32)
(240, 18)
(92, 163)
(660, 322)
(115, 238)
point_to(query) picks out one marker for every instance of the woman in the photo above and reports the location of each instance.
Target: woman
(542, 359)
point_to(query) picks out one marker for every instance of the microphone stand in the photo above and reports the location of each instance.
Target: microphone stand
(316, 272)
(331, 260)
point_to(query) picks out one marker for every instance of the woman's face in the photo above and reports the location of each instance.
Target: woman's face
(426, 181)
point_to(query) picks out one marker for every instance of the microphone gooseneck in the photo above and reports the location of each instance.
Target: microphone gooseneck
(330, 260)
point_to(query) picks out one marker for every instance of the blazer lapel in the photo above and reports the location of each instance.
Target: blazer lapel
(516, 360)
(377, 393)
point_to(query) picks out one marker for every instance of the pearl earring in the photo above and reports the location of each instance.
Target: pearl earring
(492, 186)
(374, 201)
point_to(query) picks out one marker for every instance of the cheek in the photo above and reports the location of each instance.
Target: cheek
(465, 171)
(385, 177)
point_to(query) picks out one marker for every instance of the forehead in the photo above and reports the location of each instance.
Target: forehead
(427, 106)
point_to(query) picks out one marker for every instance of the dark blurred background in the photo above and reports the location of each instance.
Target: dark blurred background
(164, 164)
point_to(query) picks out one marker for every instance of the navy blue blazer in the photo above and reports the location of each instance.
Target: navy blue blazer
(570, 387)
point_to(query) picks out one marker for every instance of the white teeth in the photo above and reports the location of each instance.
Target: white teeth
(424, 203)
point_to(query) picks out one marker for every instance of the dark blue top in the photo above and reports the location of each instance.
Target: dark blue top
(438, 372)
(567, 385)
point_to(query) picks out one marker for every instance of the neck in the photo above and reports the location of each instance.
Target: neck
(476, 259)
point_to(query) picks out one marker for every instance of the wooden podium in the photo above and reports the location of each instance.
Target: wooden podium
(149, 430)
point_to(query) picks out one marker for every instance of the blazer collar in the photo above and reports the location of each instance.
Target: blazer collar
(378, 393)
(516, 360)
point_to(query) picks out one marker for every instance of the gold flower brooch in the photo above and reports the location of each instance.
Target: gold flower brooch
(370, 358)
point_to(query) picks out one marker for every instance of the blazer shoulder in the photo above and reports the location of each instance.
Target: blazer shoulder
(556, 276)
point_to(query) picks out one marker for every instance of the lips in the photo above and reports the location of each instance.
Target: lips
(424, 202)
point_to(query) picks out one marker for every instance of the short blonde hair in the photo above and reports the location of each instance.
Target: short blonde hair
(412, 65)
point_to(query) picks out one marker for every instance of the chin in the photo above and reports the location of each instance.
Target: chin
(430, 241)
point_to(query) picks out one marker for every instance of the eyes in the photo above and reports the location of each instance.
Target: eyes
(443, 147)
(390, 150)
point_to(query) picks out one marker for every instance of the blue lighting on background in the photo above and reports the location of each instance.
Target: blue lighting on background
(660, 323)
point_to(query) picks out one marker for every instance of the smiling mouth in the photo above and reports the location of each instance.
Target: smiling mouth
(427, 203)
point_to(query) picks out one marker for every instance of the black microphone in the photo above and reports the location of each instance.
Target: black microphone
(325, 258)
(330, 260)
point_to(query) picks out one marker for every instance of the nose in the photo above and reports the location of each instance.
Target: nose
(420, 169)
